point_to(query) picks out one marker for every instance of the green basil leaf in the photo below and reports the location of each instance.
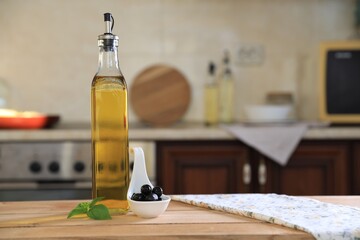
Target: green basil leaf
(84, 205)
(76, 211)
(94, 201)
(99, 212)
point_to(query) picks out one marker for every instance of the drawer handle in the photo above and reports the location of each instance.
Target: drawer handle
(247, 173)
(262, 172)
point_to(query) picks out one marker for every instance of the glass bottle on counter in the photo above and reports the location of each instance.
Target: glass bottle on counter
(211, 97)
(109, 125)
(226, 92)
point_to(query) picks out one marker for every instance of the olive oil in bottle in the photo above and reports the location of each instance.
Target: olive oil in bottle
(109, 126)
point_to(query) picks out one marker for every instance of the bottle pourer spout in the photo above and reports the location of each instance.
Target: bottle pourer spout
(109, 23)
(108, 39)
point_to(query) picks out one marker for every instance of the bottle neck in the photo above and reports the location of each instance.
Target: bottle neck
(211, 79)
(227, 69)
(108, 61)
(226, 62)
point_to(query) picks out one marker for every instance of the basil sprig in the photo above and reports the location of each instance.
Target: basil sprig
(92, 210)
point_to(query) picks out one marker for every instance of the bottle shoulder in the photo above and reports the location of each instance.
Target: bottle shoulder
(109, 81)
(211, 80)
(226, 76)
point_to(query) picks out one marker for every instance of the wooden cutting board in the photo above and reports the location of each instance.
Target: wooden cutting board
(47, 220)
(160, 95)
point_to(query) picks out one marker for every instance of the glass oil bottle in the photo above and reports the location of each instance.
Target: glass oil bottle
(226, 92)
(211, 95)
(109, 125)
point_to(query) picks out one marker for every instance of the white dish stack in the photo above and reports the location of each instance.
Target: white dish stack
(279, 108)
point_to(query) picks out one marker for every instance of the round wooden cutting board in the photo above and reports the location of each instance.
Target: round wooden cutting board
(160, 95)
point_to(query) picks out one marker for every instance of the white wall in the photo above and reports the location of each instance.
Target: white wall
(48, 48)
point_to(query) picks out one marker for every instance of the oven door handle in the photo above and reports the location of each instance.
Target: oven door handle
(17, 185)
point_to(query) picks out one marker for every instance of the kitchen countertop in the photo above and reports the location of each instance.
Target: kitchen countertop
(182, 131)
(47, 220)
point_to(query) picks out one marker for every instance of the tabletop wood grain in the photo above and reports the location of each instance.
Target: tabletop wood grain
(47, 220)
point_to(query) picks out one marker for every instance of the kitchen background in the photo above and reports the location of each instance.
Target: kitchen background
(48, 49)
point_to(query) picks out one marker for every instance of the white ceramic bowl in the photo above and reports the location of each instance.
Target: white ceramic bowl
(267, 113)
(144, 209)
(149, 209)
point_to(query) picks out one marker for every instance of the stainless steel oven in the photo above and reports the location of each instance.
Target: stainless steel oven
(52, 170)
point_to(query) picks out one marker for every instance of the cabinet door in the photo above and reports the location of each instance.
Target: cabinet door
(315, 168)
(356, 170)
(202, 167)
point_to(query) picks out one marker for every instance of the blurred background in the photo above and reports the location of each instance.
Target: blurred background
(49, 56)
(48, 49)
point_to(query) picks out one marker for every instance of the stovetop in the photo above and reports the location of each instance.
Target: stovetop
(45, 161)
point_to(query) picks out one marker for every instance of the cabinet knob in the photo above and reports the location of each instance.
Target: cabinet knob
(246, 174)
(262, 172)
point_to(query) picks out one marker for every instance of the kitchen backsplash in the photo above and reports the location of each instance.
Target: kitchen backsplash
(48, 49)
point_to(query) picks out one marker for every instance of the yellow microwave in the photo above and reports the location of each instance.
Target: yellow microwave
(340, 81)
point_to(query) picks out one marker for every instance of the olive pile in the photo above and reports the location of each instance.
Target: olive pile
(148, 194)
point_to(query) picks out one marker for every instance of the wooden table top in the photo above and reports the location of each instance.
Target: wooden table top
(47, 220)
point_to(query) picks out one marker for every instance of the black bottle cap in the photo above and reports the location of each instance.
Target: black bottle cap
(107, 17)
(211, 68)
(226, 59)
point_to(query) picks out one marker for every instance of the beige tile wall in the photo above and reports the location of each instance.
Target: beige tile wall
(48, 49)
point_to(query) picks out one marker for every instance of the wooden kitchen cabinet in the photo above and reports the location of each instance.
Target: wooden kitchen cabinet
(355, 168)
(315, 168)
(205, 167)
(199, 167)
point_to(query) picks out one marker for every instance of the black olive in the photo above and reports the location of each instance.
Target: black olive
(151, 197)
(146, 189)
(158, 191)
(148, 193)
(138, 197)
